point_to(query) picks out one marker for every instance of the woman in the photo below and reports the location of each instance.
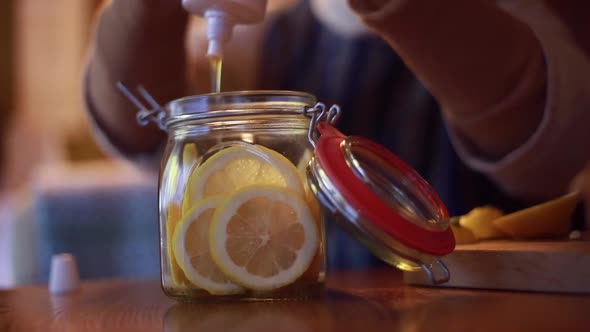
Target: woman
(488, 100)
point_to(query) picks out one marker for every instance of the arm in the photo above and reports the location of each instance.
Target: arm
(500, 80)
(138, 42)
(466, 53)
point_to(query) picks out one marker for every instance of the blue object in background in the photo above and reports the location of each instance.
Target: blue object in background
(113, 232)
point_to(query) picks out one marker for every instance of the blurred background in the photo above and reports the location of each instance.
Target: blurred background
(56, 186)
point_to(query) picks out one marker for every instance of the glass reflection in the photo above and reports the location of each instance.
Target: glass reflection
(334, 311)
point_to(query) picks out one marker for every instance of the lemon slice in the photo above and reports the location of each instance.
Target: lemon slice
(238, 166)
(263, 237)
(191, 249)
(549, 219)
(480, 222)
(463, 235)
(173, 218)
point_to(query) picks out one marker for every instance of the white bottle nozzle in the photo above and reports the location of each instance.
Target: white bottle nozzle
(219, 31)
(215, 49)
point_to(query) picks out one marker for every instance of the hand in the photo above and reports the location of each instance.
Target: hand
(152, 19)
(156, 10)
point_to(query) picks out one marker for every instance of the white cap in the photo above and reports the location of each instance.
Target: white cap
(219, 31)
(63, 276)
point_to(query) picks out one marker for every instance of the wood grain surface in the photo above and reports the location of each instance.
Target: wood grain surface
(546, 266)
(354, 301)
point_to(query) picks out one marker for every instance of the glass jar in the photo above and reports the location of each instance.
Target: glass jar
(247, 179)
(232, 192)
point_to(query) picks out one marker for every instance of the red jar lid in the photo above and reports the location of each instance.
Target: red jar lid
(388, 205)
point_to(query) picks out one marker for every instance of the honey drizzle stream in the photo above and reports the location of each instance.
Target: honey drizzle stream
(215, 63)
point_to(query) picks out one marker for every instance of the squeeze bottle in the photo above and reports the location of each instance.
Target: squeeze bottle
(222, 16)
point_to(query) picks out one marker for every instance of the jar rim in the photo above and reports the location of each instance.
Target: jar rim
(236, 104)
(248, 99)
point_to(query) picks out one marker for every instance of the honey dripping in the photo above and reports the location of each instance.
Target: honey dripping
(216, 63)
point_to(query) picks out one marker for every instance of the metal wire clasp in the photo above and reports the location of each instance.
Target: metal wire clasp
(318, 113)
(437, 280)
(155, 113)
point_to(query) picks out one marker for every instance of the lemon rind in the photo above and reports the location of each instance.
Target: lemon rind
(193, 276)
(240, 275)
(194, 190)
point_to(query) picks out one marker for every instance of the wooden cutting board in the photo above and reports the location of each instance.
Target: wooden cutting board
(542, 266)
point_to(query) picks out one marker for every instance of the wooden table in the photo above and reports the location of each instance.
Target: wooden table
(354, 301)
